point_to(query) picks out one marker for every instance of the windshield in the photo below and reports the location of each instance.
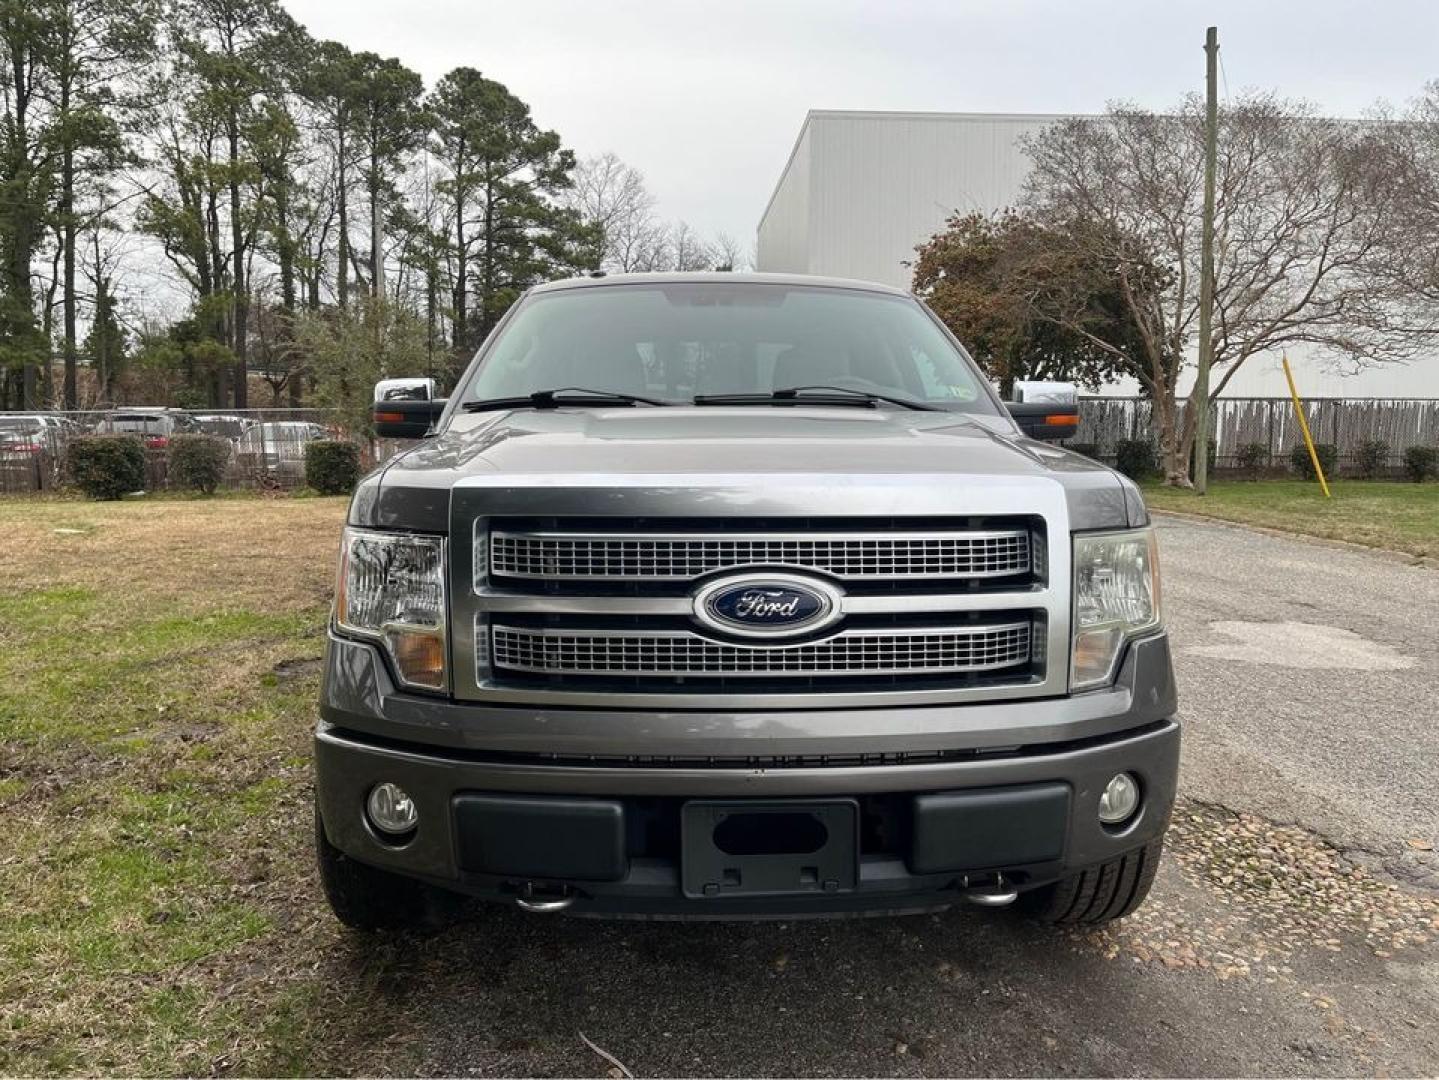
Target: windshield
(13, 424)
(676, 341)
(221, 425)
(285, 432)
(148, 424)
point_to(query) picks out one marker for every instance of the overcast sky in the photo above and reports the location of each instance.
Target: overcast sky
(706, 98)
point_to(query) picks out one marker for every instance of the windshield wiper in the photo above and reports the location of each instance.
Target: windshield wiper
(827, 395)
(559, 398)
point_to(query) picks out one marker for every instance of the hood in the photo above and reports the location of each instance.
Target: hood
(707, 440)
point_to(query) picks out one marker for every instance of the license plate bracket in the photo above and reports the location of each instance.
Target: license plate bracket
(738, 847)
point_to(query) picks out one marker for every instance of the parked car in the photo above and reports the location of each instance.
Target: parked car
(275, 451)
(30, 434)
(155, 426)
(735, 596)
(31, 447)
(229, 427)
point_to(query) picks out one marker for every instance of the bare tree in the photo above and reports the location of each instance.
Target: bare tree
(727, 253)
(1411, 259)
(1301, 220)
(611, 197)
(687, 250)
(645, 248)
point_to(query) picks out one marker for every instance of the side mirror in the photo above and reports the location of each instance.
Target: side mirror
(407, 419)
(1045, 410)
(404, 390)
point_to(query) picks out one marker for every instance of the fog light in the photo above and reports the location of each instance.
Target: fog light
(391, 810)
(1120, 800)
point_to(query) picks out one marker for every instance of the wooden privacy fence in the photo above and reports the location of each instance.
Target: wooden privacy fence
(1270, 422)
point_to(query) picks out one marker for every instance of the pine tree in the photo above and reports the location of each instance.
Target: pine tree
(389, 124)
(97, 47)
(504, 176)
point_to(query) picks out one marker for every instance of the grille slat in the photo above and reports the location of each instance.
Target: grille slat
(679, 557)
(671, 654)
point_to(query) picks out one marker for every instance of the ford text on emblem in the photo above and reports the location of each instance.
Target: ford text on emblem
(767, 605)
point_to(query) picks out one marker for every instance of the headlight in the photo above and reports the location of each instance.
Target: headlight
(1116, 596)
(392, 590)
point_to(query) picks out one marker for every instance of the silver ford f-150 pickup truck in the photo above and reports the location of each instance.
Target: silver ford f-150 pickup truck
(724, 596)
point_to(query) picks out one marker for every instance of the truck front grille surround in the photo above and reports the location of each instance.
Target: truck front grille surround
(610, 612)
(559, 556)
(665, 653)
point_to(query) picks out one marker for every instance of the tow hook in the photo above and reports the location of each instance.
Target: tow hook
(996, 893)
(544, 899)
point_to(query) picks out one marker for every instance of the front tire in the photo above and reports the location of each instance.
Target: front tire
(366, 898)
(1098, 894)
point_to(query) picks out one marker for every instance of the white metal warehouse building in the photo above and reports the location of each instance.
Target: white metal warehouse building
(862, 189)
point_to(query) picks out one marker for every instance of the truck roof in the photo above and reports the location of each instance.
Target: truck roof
(717, 277)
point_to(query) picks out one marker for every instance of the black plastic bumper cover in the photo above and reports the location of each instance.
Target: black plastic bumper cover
(527, 838)
(1003, 826)
(489, 827)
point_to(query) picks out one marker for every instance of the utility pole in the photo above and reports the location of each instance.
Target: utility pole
(1206, 263)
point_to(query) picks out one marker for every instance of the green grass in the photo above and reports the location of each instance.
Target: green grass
(1398, 516)
(158, 913)
(141, 670)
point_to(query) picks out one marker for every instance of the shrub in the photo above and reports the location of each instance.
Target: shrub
(1136, 458)
(1327, 453)
(1421, 462)
(1088, 449)
(198, 461)
(106, 466)
(1372, 457)
(1252, 457)
(332, 467)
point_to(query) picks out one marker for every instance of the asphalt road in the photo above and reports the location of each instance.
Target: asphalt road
(1309, 683)
(1291, 931)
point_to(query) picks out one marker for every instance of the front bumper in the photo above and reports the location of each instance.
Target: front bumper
(444, 786)
(946, 796)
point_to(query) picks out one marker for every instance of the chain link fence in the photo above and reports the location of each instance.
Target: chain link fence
(267, 446)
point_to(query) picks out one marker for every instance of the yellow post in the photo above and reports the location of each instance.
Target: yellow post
(1304, 427)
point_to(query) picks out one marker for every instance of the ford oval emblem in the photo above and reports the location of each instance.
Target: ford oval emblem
(769, 605)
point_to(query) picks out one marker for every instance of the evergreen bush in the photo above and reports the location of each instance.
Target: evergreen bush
(198, 461)
(332, 467)
(106, 466)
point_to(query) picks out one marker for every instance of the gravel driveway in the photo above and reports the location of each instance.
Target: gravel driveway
(1291, 931)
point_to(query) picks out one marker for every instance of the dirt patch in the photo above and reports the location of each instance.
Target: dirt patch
(299, 668)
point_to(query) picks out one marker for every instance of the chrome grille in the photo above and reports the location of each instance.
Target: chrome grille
(665, 653)
(682, 556)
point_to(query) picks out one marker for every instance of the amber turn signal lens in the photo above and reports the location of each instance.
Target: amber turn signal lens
(1062, 420)
(1094, 652)
(420, 658)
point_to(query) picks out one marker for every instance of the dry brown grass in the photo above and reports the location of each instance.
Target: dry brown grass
(264, 553)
